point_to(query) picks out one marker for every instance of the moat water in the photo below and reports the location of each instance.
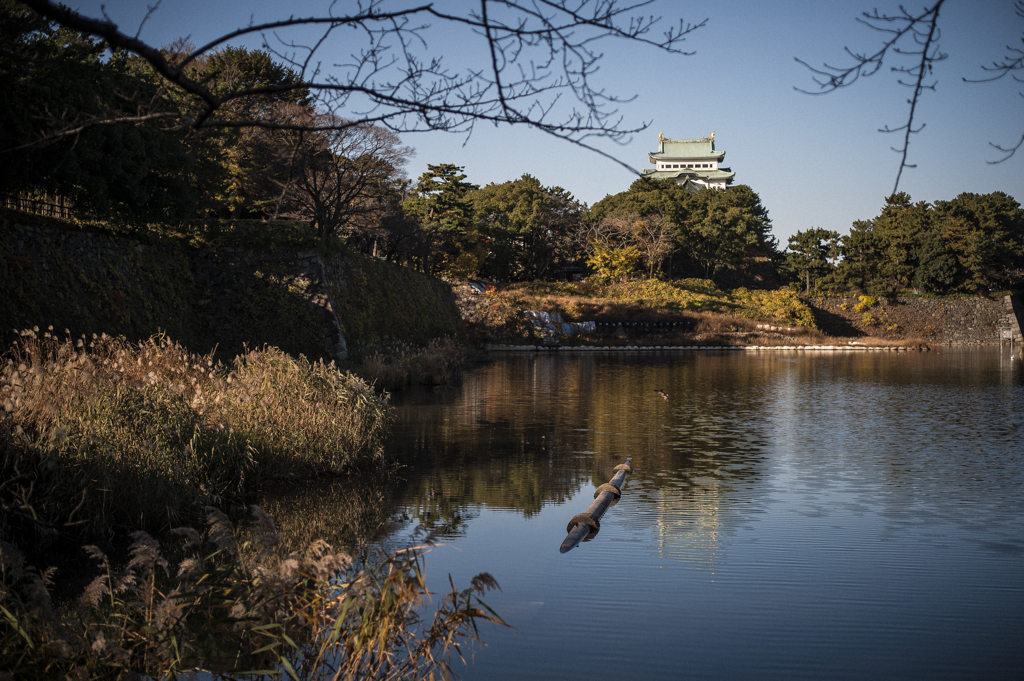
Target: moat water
(791, 515)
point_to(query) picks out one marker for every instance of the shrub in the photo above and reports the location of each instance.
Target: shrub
(782, 306)
(614, 263)
(865, 304)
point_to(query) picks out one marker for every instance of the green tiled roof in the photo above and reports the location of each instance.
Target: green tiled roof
(679, 175)
(686, 149)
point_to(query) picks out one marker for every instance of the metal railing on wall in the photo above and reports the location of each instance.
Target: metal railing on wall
(51, 206)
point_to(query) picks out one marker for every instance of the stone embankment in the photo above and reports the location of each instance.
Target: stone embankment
(206, 298)
(697, 348)
(971, 320)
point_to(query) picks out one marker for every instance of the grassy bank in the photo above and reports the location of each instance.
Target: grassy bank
(651, 299)
(655, 312)
(703, 309)
(100, 437)
(101, 433)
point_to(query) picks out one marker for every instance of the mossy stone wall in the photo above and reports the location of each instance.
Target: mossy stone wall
(377, 302)
(249, 298)
(223, 298)
(93, 283)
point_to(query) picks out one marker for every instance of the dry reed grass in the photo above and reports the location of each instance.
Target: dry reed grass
(236, 609)
(99, 433)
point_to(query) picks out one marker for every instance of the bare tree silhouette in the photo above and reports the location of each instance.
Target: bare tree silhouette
(911, 50)
(542, 57)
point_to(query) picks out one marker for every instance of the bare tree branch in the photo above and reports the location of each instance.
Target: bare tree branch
(1013, 61)
(913, 36)
(71, 132)
(540, 73)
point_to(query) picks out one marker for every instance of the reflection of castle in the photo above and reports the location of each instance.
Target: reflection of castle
(687, 523)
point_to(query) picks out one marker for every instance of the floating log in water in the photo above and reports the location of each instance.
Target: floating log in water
(585, 525)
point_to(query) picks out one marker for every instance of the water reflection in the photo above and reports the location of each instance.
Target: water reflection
(791, 515)
(912, 431)
(344, 513)
(525, 432)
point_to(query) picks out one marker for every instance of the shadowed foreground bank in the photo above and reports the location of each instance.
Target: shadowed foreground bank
(106, 434)
(239, 604)
(104, 439)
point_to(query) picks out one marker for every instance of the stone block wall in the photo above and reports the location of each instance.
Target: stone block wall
(93, 283)
(378, 303)
(955, 321)
(224, 298)
(1013, 317)
(254, 298)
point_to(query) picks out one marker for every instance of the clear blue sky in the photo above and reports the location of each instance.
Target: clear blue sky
(815, 161)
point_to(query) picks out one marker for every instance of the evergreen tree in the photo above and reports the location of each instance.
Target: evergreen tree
(440, 202)
(528, 227)
(722, 226)
(812, 254)
(858, 268)
(985, 235)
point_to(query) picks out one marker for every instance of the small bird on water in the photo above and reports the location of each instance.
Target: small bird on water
(664, 395)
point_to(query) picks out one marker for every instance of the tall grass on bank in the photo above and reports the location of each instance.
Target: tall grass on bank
(104, 433)
(236, 609)
(298, 416)
(392, 364)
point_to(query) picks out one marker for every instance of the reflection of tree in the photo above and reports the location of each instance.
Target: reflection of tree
(499, 442)
(693, 452)
(524, 432)
(898, 436)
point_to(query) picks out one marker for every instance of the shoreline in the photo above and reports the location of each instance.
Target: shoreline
(498, 347)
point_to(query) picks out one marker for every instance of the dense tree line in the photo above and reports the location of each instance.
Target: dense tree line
(521, 230)
(290, 158)
(512, 231)
(698, 234)
(973, 243)
(303, 163)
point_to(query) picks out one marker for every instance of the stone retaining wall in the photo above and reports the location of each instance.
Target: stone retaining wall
(954, 321)
(1013, 318)
(218, 297)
